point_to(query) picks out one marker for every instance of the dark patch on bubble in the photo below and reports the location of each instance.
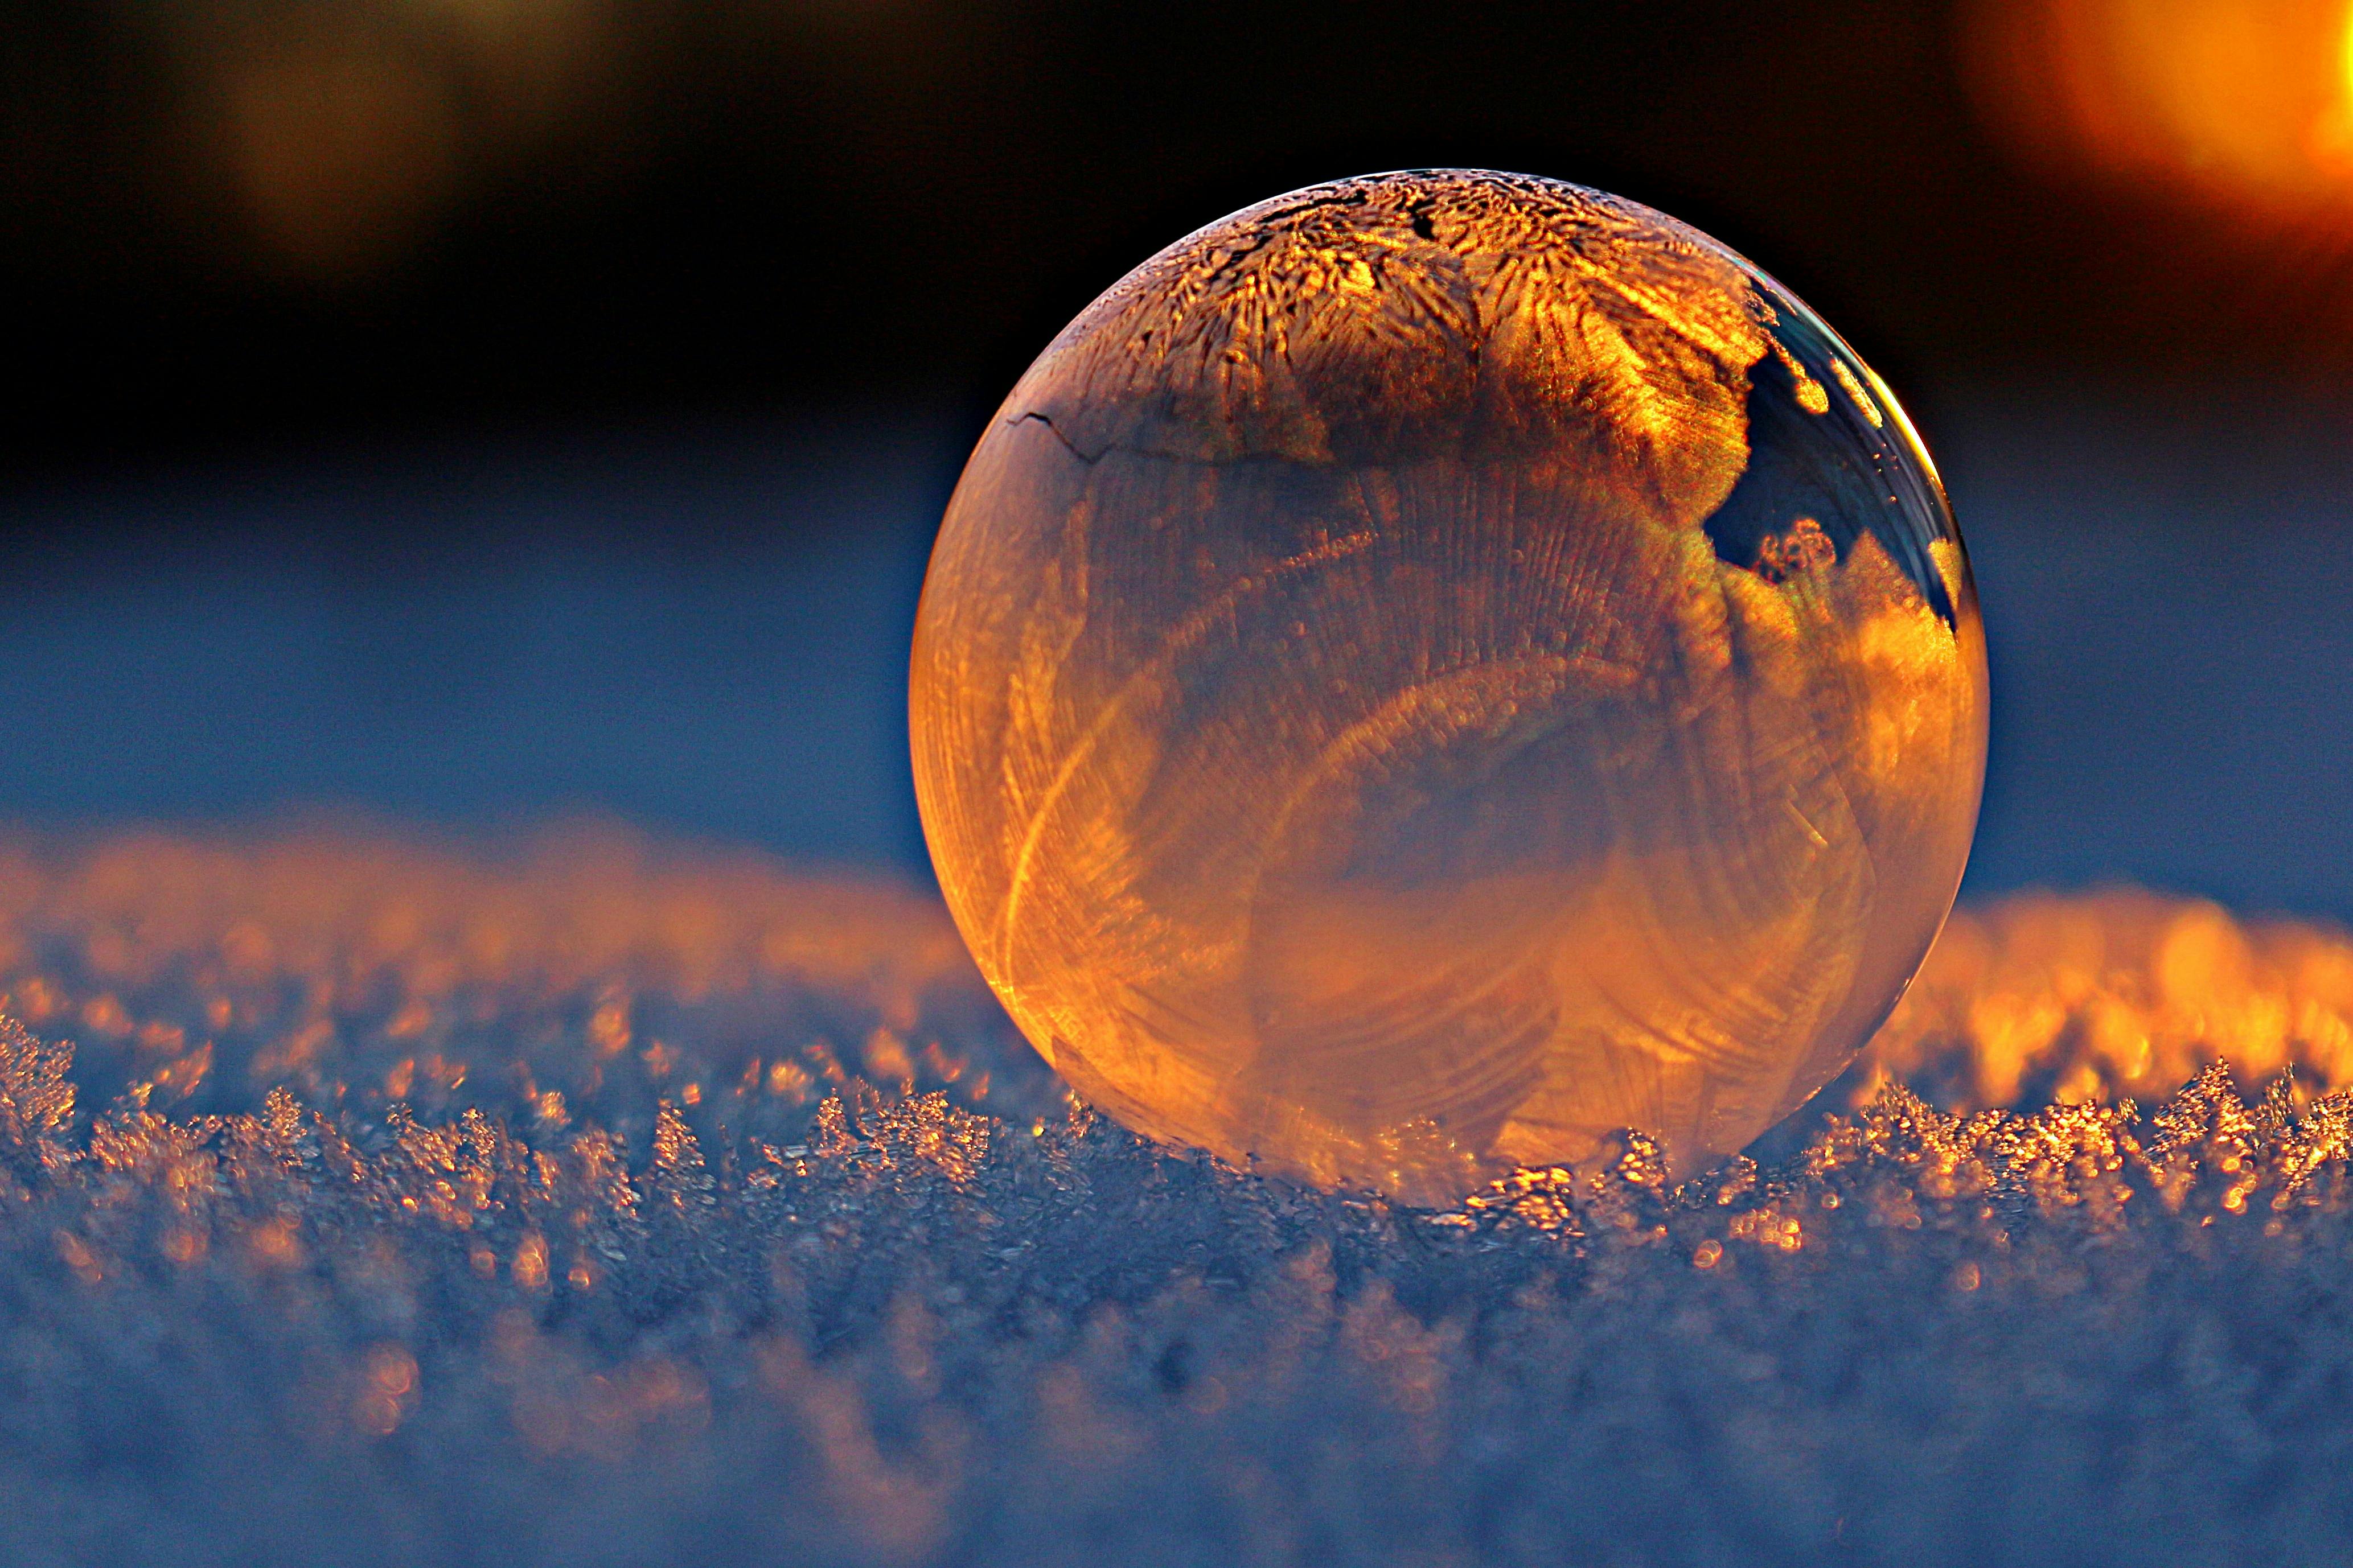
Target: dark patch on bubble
(1834, 469)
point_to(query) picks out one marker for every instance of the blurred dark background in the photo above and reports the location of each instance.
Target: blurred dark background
(472, 410)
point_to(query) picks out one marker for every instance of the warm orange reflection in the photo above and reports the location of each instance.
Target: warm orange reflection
(1424, 674)
(2241, 100)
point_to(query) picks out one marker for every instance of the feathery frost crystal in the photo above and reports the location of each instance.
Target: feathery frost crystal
(1436, 667)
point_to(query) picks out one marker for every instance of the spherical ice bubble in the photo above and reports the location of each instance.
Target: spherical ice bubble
(1437, 668)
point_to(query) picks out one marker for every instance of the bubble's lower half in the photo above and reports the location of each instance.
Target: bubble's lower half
(1403, 825)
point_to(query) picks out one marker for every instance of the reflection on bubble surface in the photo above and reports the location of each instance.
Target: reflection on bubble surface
(1435, 668)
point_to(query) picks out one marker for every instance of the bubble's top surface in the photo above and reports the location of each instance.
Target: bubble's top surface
(1408, 315)
(1458, 312)
(1437, 665)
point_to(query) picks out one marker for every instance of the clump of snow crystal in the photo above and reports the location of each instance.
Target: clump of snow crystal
(598, 1203)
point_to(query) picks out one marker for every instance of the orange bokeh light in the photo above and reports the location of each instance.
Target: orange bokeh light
(2244, 102)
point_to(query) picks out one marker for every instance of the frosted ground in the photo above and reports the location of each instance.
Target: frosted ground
(371, 1199)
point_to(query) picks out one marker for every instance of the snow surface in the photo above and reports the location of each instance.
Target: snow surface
(594, 1201)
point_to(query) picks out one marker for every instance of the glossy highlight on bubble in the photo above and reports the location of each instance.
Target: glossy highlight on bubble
(1436, 668)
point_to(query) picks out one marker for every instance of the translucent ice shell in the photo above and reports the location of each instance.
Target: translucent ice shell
(1436, 668)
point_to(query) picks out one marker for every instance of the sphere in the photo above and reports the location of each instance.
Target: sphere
(1438, 668)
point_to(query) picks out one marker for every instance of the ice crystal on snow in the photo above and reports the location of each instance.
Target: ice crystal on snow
(602, 1204)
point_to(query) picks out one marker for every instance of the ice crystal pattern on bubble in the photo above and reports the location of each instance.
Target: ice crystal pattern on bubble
(1435, 668)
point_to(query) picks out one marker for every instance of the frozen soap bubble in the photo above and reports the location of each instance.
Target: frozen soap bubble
(1438, 668)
